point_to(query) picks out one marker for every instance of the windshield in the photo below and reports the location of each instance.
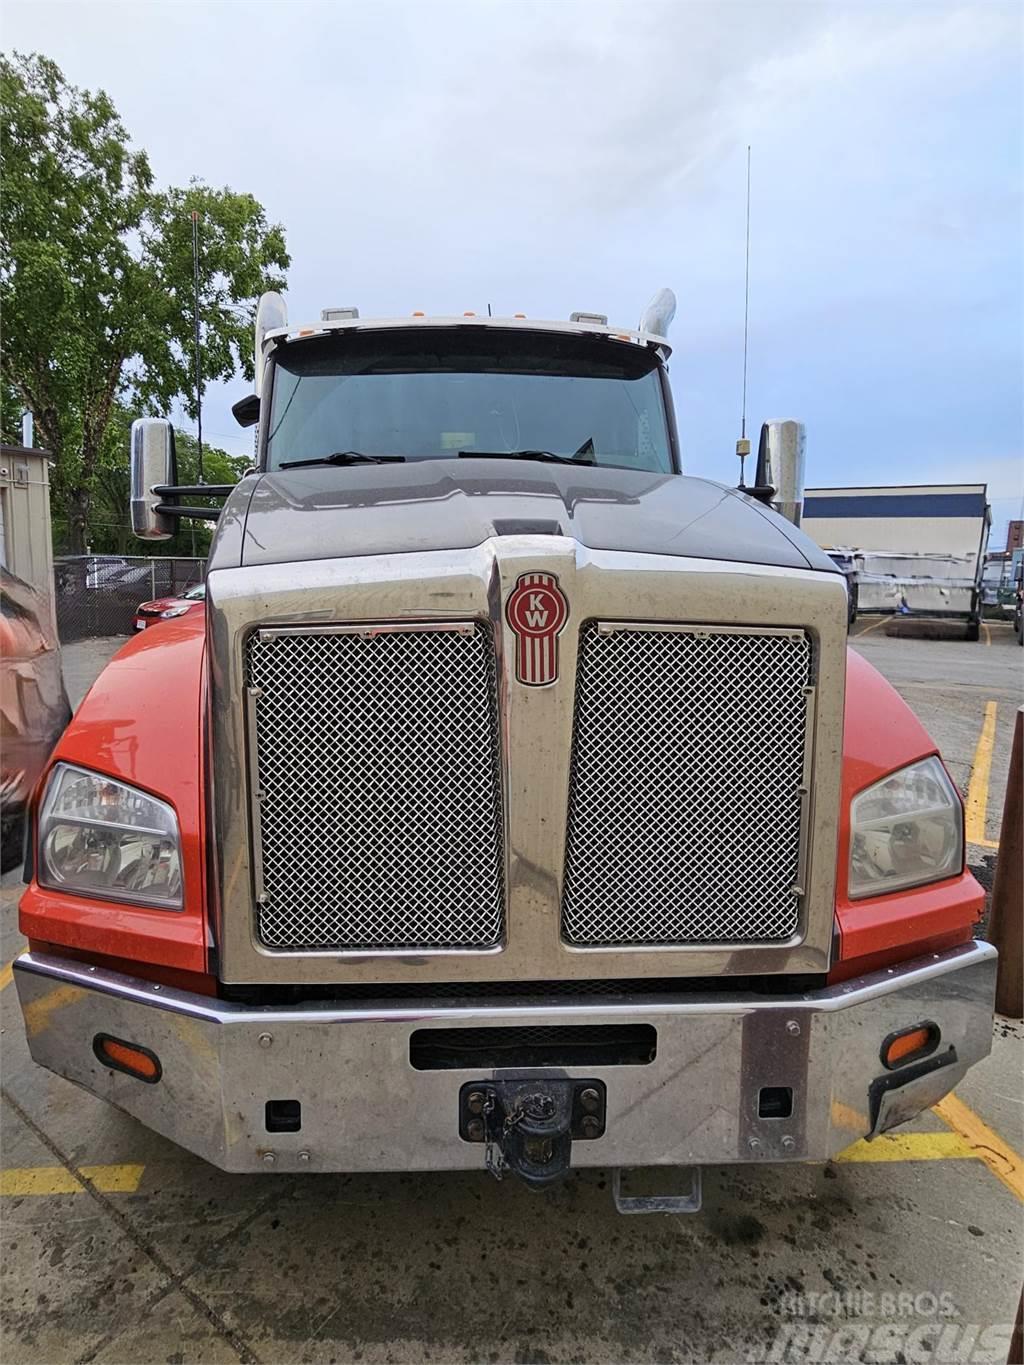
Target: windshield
(423, 396)
(197, 593)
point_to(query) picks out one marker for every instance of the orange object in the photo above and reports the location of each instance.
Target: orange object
(142, 723)
(913, 1042)
(33, 703)
(880, 734)
(136, 1061)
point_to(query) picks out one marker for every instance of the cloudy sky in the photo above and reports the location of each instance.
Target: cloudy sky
(542, 157)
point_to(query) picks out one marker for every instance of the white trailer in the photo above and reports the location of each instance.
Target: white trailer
(917, 551)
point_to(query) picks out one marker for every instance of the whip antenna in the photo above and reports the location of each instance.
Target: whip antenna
(743, 445)
(199, 372)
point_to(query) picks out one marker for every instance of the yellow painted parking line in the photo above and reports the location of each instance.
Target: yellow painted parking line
(987, 1145)
(882, 620)
(25, 1180)
(6, 976)
(987, 633)
(976, 808)
(909, 1147)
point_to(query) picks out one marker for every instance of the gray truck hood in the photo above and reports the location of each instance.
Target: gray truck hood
(329, 513)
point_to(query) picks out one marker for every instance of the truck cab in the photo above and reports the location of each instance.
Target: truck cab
(515, 803)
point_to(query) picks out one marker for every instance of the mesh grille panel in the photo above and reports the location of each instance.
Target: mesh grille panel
(685, 806)
(380, 819)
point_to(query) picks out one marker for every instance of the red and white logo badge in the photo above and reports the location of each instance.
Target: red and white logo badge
(537, 611)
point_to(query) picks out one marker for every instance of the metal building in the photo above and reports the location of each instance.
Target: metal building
(26, 547)
(917, 550)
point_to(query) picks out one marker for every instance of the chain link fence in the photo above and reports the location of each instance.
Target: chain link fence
(97, 595)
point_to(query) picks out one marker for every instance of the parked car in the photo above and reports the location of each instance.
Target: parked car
(108, 572)
(33, 703)
(165, 608)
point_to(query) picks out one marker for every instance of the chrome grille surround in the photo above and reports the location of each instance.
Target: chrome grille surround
(471, 585)
(674, 835)
(375, 761)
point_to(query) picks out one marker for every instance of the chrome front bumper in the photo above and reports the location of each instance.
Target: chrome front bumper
(365, 1107)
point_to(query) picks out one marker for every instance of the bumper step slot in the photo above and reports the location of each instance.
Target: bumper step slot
(658, 1203)
(590, 1045)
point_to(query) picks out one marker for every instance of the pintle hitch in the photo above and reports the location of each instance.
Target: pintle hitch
(528, 1126)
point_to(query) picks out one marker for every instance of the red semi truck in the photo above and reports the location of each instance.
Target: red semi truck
(516, 802)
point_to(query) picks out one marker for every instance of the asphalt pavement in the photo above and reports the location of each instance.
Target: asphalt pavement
(119, 1246)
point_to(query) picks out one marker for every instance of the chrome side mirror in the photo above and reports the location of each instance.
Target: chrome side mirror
(781, 466)
(154, 466)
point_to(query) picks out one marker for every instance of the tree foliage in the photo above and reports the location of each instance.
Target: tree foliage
(96, 280)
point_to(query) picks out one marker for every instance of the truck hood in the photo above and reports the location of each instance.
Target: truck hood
(329, 513)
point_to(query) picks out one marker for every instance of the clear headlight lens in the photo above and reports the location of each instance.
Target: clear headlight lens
(906, 830)
(101, 838)
(179, 610)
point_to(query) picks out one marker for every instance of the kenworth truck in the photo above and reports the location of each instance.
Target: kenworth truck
(515, 804)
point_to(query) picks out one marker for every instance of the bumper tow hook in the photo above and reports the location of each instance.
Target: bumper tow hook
(528, 1130)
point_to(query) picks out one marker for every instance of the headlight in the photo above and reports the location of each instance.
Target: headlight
(179, 610)
(906, 830)
(101, 838)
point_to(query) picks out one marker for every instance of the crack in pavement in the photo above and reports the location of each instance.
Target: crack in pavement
(176, 1282)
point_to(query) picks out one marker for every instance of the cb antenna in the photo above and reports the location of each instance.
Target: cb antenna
(743, 445)
(199, 372)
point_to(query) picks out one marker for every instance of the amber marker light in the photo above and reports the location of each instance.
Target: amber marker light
(909, 1045)
(127, 1057)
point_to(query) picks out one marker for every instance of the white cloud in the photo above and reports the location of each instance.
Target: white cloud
(549, 156)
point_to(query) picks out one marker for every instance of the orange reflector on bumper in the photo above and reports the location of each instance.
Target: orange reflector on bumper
(128, 1057)
(910, 1044)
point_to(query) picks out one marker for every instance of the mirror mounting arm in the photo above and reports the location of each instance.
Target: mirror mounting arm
(194, 490)
(173, 509)
(760, 492)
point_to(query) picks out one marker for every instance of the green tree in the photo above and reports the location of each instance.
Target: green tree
(96, 278)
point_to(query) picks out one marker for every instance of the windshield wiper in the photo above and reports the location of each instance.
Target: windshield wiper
(548, 456)
(343, 457)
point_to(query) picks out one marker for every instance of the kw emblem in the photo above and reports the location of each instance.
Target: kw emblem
(536, 611)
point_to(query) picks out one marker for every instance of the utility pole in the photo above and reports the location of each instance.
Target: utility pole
(199, 372)
(743, 445)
